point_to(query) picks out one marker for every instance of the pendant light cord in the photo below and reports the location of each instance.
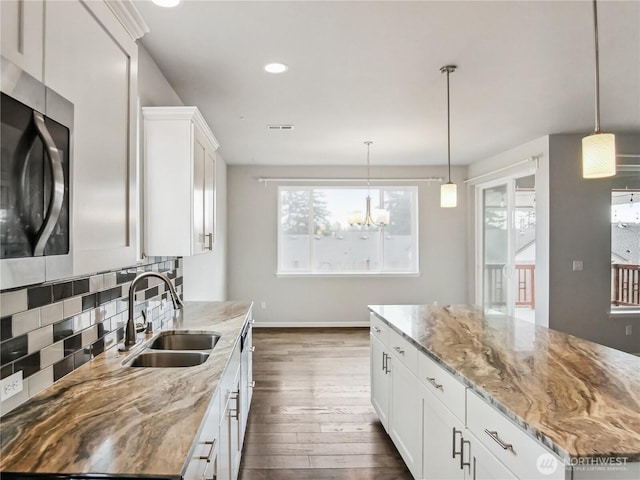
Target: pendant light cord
(448, 128)
(595, 30)
(368, 143)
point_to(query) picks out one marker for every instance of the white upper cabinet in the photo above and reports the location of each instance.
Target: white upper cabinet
(22, 34)
(179, 182)
(82, 51)
(91, 60)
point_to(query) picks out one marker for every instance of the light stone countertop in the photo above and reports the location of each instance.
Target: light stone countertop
(105, 418)
(580, 399)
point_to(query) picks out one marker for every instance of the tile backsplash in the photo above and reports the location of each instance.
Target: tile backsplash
(48, 330)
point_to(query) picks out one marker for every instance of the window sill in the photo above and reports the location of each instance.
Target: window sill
(346, 274)
(631, 313)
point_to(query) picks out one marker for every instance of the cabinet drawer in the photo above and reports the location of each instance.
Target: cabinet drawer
(404, 351)
(506, 441)
(379, 329)
(442, 384)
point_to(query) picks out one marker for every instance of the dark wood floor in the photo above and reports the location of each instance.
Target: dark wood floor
(311, 417)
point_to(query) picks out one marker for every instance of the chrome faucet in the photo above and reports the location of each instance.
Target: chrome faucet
(130, 329)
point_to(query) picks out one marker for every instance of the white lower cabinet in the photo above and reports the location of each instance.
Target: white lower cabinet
(218, 450)
(380, 381)
(394, 392)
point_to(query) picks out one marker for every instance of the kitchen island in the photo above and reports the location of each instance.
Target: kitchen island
(577, 402)
(109, 419)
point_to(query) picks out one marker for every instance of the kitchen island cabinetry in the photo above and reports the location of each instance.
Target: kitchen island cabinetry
(505, 399)
(394, 392)
(179, 184)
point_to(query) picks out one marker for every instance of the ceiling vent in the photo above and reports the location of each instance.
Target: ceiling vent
(280, 127)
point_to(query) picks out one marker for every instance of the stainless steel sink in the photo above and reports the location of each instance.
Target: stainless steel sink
(184, 341)
(169, 359)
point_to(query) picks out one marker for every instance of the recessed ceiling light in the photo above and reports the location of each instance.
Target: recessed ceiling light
(276, 68)
(166, 3)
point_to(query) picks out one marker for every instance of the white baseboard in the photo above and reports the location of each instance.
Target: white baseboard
(260, 324)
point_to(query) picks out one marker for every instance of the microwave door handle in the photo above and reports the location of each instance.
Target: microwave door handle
(57, 184)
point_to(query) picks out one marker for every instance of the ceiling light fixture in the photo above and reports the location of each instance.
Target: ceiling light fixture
(166, 3)
(598, 149)
(276, 68)
(380, 214)
(448, 191)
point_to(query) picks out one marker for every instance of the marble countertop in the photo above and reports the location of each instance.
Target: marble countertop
(105, 418)
(579, 398)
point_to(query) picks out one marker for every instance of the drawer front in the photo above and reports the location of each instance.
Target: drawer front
(379, 329)
(443, 385)
(406, 352)
(519, 452)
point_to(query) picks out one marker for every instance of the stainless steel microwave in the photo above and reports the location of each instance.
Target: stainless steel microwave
(35, 178)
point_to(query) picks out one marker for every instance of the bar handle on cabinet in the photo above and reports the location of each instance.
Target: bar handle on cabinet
(474, 468)
(496, 438)
(210, 237)
(433, 382)
(453, 447)
(212, 447)
(462, 462)
(234, 412)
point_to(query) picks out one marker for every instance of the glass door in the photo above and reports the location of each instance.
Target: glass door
(506, 246)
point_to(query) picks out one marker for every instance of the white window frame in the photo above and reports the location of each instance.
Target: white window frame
(378, 273)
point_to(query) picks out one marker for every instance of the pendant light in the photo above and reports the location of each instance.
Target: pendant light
(598, 149)
(380, 214)
(448, 191)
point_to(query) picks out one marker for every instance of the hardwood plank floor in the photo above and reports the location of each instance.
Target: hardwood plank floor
(311, 416)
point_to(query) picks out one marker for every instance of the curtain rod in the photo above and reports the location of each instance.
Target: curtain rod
(533, 158)
(266, 180)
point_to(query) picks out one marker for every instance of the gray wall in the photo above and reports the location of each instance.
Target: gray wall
(580, 229)
(573, 223)
(205, 275)
(310, 301)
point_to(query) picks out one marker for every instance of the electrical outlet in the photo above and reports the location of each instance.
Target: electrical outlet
(627, 330)
(263, 305)
(577, 265)
(11, 385)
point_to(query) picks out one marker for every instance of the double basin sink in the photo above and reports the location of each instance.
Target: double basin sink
(176, 349)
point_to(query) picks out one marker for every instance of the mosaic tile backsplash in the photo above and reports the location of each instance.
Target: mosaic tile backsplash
(48, 330)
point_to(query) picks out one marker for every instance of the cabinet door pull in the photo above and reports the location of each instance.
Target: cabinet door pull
(496, 438)
(210, 237)
(399, 350)
(384, 362)
(474, 468)
(253, 320)
(234, 412)
(453, 447)
(386, 365)
(208, 456)
(253, 384)
(462, 462)
(252, 349)
(376, 329)
(433, 382)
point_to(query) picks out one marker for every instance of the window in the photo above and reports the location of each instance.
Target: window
(625, 249)
(315, 235)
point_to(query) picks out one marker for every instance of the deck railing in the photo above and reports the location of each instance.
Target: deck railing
(625, 284)
(525, 285)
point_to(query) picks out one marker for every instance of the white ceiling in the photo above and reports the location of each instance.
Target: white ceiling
(365, 70)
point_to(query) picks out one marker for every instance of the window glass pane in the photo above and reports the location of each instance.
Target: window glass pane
(399, 237)
(293, 244)
(318, 230)
(625, 244)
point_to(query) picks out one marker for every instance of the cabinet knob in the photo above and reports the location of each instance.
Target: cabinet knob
(253, 349)
(376, 329)
(399, 350)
